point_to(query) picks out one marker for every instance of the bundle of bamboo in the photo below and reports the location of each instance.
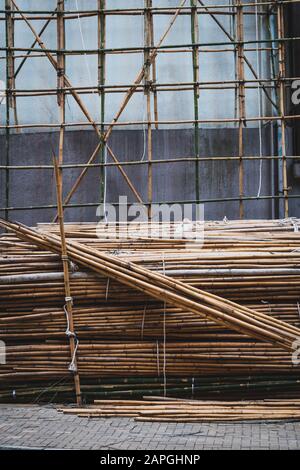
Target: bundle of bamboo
(191, 411)
(134, 339)
(176, 293)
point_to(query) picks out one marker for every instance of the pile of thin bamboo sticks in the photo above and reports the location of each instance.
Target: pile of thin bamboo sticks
(191, 411)
(200, 342)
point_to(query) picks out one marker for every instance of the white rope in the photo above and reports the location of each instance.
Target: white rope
(298, 306)
(72, 367)
(291, 220)
(84, 46)
(259, 101)
(68, 332)
(71, 334)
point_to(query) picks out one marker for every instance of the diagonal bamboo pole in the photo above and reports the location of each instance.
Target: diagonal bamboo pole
(34, 43)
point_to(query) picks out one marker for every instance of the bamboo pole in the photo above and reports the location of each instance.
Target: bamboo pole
(7, 107)
(152, 43)
(147, 83)
(61, 43)
(195, 61)
(68, 298)
(12, 103)
(282, 74)
(241, 99)
(101, 83)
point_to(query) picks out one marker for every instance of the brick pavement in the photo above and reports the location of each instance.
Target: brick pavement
(44, 428)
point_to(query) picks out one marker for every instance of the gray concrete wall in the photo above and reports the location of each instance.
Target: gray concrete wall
(172, 182)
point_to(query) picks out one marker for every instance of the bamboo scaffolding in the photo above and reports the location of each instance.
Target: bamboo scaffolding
(140, 76)
(85, 112)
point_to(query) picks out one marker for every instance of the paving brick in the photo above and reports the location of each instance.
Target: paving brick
(44, 427)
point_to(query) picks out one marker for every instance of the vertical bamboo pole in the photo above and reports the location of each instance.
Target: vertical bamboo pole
(241, 98)
(8, 14)
(12, 101)
(155, 97)
(147, 81)
(65, 260)
(101, 83)
(271, 20)
(58, 177)
(61, 43)
(282, 74)
(195, 57)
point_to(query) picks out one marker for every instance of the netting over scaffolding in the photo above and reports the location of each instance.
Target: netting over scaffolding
(162, 101)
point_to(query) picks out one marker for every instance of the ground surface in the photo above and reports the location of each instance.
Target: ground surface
(43, 427)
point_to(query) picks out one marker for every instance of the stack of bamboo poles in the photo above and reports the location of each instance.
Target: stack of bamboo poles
(130, 339)
(158, 286)
(191, 411)
(141, 321)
